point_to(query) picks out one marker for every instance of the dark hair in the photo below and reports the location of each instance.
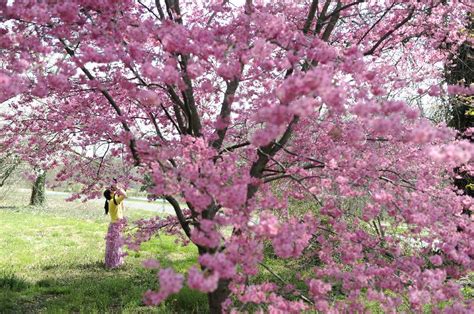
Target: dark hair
(107, 195)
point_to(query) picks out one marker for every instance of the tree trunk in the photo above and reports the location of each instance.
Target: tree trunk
(37, 192)
(217, 297)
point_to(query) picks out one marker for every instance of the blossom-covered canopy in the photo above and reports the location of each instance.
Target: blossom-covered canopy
(281, 124)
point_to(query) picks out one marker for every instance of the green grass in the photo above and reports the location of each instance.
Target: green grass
(51, 260)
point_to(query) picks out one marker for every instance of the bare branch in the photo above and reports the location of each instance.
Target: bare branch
(171, 119)
(102, 161)
(340, 9)
(375, 24)
(149, 9)
(300, 156)
(301, 296)
(213, 15)
(232, 147)
(389, 33)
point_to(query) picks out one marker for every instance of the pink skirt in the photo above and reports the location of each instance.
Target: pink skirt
(113, 245)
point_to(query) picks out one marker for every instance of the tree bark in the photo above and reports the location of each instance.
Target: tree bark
(217, 297)
(37, 192)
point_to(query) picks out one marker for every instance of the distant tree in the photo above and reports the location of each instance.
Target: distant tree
(38, 197)
(8, 164)
(460, 71)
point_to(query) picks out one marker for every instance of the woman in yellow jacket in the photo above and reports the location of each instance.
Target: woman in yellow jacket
(114, 207)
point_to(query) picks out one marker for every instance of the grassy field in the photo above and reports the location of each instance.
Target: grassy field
(51, 260)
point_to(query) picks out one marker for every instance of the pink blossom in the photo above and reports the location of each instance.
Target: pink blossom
(171, 280)
(436, 260)
(150, 71)
(434, 90)
(170, 283)
(148, 97)
(459, 90)
(219, 264)
(205, 234)
(418, 297)
(264, 127)
(151, 263)
(318, 288)
(268, 225)
(234, 196)
(292, 239)
(202, 281)
(4, 80)
(265, 136)
(195, 70)
(229, 71)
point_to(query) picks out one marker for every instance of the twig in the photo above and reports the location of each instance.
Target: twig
(301, 296)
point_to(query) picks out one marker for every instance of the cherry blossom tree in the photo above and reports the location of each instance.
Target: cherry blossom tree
(234, 110)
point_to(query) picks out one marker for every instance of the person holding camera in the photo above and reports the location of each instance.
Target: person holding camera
(114, 197)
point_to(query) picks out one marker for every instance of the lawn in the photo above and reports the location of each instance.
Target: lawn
(51, 260)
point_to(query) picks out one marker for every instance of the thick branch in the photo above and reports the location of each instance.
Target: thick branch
(264, 154)
(178, 127)
(285, 137)
(225, 112)
(160, 9)
(155, 124)
(311, 13)
(179, 119)
(172, 6)
(179, 214)
(332, 22)
(322, 17)
(194, 119)
(178, 105)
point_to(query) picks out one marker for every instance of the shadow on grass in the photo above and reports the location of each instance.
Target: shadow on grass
(91, 288)
(10, 281)
(98, 265)
(10, 207)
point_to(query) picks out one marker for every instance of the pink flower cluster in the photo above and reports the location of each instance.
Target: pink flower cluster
(170, 283)
(283, 123)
